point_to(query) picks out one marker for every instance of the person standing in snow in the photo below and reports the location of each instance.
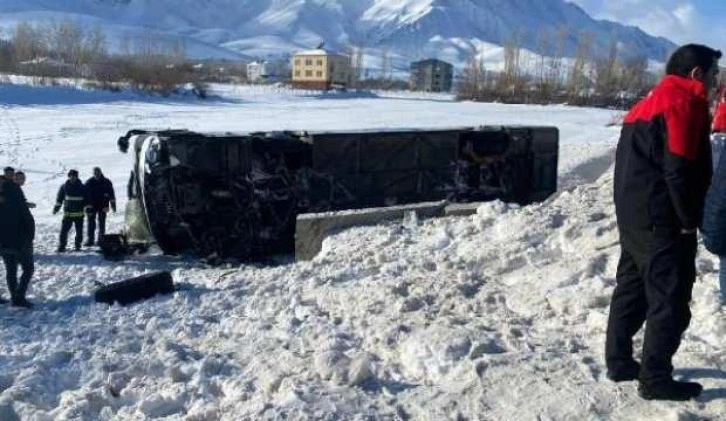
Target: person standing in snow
(20, 181)
(101, 197)
(17, 231)
(9, 173)
(72, 197)
(662, 172)
(714, 215)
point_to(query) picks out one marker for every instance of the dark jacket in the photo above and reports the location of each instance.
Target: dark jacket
(99, 193)
(17, 226)
(714, 213)
(663, 160)
(72, 196)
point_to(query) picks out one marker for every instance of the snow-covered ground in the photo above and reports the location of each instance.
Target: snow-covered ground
(497, 316)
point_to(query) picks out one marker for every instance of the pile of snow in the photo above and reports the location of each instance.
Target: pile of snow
(499, 315)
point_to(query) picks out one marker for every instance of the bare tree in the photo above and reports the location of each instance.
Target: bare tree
(555, 66)
(358, 63)
(634, 78)
(511, 81)
(27, 42)
(178, 51)
(7, 59)
(544, 50)
(385, 62)
(472, 80)
(578, 83)
(606, 73)
(95, 44)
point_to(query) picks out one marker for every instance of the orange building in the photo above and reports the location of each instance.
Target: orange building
(320, 69)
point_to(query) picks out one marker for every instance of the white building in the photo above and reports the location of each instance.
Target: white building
(257, 71)
(270, 70)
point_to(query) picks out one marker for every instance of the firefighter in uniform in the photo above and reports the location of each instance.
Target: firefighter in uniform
(101, 197)
(72, 197)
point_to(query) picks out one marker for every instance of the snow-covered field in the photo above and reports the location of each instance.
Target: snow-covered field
(497, 316)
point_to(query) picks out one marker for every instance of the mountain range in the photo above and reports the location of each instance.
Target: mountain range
(406, 30)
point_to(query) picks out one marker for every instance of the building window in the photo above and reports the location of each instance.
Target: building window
(308, 62)
(319, 73)
(297, 72)
(320, 62)
(308, 73)
(297, 62)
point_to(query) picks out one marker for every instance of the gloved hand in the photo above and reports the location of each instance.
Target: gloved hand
(104, 210)
(88, 209)
(113, 207)
(56, 208)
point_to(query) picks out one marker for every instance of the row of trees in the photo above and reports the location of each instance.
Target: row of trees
(607, 80)
(66, 50)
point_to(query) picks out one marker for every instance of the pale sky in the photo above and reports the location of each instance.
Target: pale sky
(696, 21)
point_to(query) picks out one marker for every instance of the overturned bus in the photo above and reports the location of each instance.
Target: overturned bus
(236, 196)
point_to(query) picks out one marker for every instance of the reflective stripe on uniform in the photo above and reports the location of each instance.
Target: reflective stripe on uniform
(73, 214)
(74, 198)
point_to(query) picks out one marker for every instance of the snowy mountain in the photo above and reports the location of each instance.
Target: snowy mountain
(408, 29)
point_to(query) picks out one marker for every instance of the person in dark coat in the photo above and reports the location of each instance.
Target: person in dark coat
(20, 181)
(662, 172)
(714, 213)
(72, 197)
(101, 197)
(17, 231)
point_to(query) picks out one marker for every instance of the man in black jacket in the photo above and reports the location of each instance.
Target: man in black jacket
(17, 231)
(72, 197)
(100, 195)
(662, 172)
(20, 181)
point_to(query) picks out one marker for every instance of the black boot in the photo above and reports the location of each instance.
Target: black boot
(625, 372)
(22, 302)
(89, 243)
(670, 390)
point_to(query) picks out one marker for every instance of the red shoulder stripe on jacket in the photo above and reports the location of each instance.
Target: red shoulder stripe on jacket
(684, 123)
(682, 103)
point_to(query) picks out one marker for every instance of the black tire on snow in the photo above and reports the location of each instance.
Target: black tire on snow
(136, 289)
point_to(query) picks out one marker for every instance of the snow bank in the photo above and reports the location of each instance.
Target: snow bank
(499, 315)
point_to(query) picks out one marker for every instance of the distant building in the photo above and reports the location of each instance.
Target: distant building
(268, 70)
(320, 69)
(256, 71)
(431, 75)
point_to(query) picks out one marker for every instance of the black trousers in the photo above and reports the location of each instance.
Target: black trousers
(66, 227)
(655, 279)
(92, 214)
(24, 258)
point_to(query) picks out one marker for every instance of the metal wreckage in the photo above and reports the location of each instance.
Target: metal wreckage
(237, 196)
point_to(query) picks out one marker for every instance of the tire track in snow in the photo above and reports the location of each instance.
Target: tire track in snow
(11, 146)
